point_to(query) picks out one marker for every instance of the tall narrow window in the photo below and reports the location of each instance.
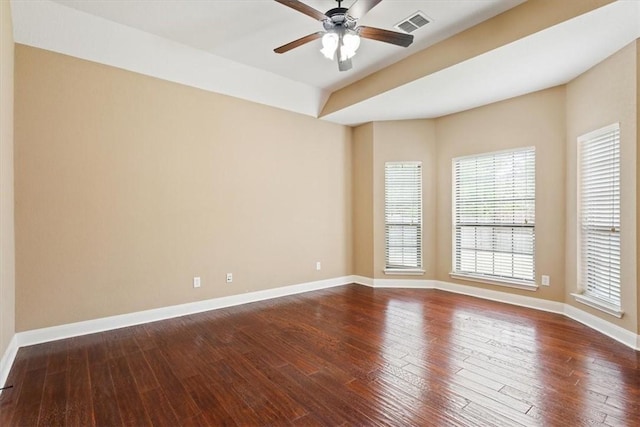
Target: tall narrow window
(494, 217)
(600, 214)
(403, 216)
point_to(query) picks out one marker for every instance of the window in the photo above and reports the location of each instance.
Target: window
(494, 217)
(403, 217)
(599, 180)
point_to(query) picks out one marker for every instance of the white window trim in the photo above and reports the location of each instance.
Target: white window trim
(580, 296)
(404, 271)
(490, 280)
(599, 305)
(507, 150)
(407, 270)
(508, 283)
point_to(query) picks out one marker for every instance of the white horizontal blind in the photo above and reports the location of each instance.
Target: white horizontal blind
(403, 215)
(494, 215)
(600, 214)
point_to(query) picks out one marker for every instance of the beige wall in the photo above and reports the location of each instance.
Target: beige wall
(374, 145)
(362, 173)
(128, 186)
(535, 120)
(604, 95)
(7, 249)
(395, 141)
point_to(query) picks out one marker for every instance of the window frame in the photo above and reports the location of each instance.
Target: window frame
(404, 269)
(584, 295)
(501, 280)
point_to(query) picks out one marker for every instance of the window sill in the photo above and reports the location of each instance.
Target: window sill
(498, 282)
(404, 271)
(599, 305)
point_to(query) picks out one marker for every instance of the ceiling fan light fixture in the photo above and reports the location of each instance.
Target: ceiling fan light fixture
(341, 35)
(349, 43)
(329, 45)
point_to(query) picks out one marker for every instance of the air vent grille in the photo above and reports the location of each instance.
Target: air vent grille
(413, 22)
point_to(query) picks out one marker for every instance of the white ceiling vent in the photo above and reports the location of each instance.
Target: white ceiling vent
(413, 22)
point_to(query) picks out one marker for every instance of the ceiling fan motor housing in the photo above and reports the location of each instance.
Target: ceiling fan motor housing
(338, 18)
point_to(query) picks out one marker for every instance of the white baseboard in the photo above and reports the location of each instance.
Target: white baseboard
(361, 280)
(393, 283)
(53, 333)
(607, 328)
(498, 296)
(7, 361)
(403, 283)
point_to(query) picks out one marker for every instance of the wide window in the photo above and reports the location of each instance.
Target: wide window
(494, 217)
(403, 216)
(600, 214)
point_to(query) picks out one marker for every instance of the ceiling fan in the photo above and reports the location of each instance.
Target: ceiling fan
(341, 35)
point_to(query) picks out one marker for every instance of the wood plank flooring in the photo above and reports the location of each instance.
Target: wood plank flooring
(350, 355)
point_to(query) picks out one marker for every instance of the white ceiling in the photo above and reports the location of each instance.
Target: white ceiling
(226, 46)
(247, 31)
(546, 59)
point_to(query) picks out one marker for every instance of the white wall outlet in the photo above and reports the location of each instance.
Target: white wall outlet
(545, 280)
(318, 266)
(229, 277)
(196, 282)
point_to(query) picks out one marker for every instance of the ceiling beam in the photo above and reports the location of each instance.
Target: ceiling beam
(521, 21)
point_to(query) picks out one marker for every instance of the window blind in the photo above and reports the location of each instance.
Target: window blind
(403, 215)
(600, 214)
(494, 216)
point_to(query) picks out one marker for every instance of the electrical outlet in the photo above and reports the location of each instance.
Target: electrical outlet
(318, 266)
(545, 280)
(229, 277)
(196, 282)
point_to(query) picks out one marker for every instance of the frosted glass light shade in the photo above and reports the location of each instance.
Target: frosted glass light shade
(350, 44)
(329, 45)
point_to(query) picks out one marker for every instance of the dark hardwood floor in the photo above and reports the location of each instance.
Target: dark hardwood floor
(344, 356)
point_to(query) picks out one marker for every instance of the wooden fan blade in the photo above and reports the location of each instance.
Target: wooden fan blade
(386, 36)
(296, 43)
(303, 8)
(361, 7)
